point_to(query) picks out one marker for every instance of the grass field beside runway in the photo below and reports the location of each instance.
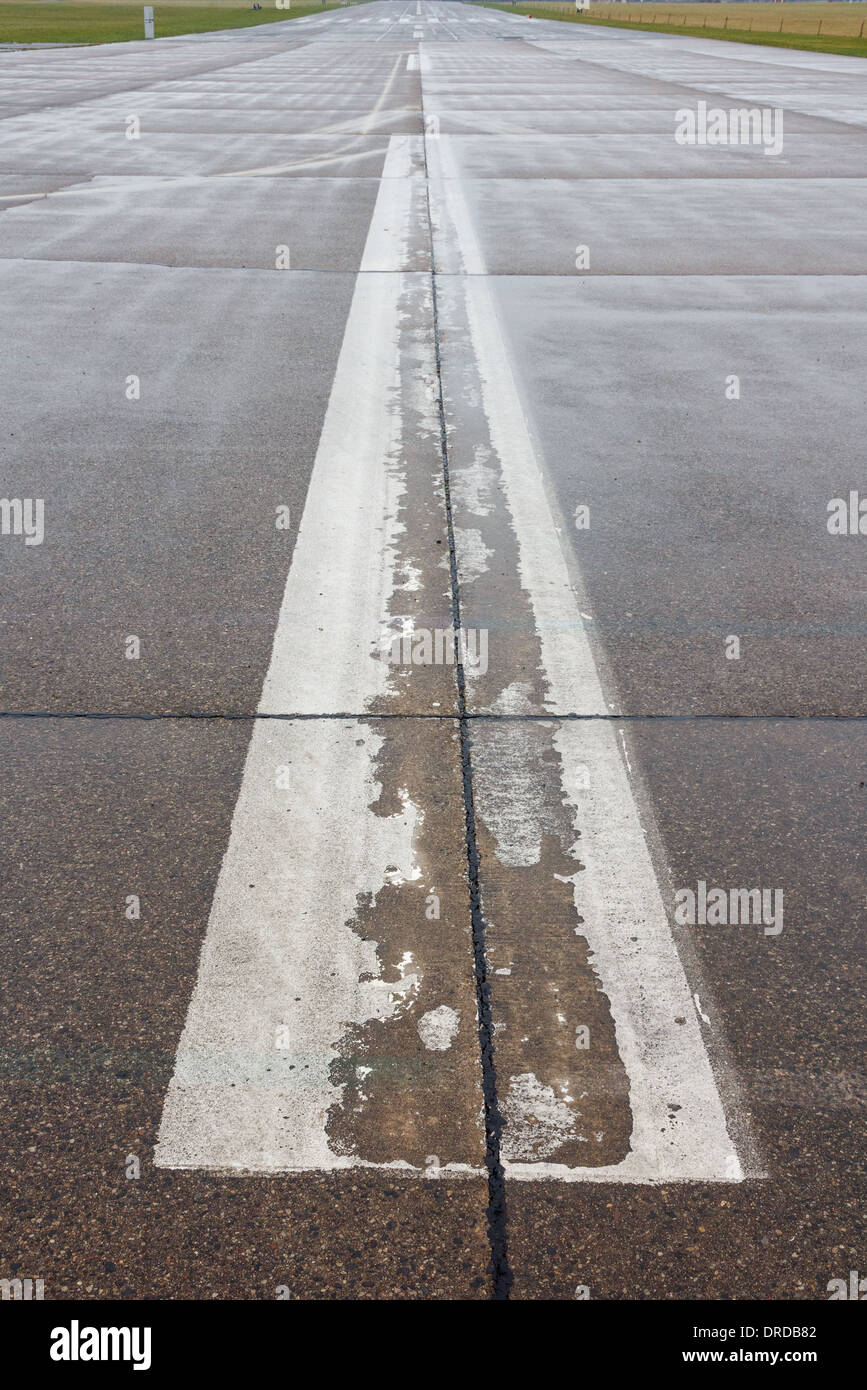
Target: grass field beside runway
(767, 23)
(54, 21)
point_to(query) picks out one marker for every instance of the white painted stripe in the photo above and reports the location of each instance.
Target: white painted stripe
(245, 1095)
(322, 661)
(302, 851)
(630, 941)
(398, 164)
(446, 190)
(309, 847)
(625, 922)
(412, 63)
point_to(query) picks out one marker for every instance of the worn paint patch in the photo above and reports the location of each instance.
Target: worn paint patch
(538, 1121)
(438, 1028)
(406, 1081)
(543, 984)
(410, 1084)
(472, 553)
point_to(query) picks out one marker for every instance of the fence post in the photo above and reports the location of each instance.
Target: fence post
(819, 30)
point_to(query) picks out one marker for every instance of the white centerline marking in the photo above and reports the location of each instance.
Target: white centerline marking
(282, 975)
(626, 925)
(303, 849)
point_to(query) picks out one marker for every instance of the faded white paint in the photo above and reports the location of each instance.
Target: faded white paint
(471, 553)
(438, 1028)
(625, 922)
(281, 957)
(537, 1120)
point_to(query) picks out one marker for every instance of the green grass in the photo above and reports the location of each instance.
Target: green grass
(96, 23)
(822, 43)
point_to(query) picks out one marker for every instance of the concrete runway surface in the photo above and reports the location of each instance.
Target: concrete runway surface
(434, 682)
